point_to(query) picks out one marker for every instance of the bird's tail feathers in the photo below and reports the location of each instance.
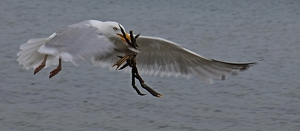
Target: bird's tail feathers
(29, 56)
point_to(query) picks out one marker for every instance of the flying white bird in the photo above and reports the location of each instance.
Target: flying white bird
(103, 43)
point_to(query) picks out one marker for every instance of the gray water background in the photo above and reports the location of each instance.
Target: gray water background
(86, 98)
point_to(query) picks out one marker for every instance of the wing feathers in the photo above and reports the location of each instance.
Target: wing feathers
(170, 59)
(78, 42)
(156, 56)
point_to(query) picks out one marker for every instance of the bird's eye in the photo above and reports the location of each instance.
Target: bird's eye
(115, 28)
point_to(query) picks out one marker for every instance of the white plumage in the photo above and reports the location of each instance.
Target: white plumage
(29, 56)
(101, 43)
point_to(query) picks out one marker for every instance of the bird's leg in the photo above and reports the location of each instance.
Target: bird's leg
(41, 66)
(142, 82)
(133, 83)
(57, 70)
(121, 61)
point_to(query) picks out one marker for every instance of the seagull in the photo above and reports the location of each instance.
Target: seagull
(106, 44)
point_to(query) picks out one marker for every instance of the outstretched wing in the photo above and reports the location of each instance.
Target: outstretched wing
(165, 58)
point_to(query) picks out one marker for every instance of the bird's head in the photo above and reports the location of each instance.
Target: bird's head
(110, 29)
(114, 30)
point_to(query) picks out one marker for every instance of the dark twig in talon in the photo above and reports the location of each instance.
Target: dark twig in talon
(142, 82)
(131, 61)
(124, 66)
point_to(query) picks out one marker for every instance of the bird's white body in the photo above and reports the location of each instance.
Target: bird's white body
(99, 42)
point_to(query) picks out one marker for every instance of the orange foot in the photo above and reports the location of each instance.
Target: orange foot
(41, 66)
(54, 72)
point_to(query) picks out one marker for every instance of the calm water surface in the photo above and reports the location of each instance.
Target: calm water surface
(85, 98)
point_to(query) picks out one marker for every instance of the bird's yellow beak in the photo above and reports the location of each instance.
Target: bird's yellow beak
(122, 37)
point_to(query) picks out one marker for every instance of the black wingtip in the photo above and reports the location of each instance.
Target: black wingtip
(248, 65)
(241, 66)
